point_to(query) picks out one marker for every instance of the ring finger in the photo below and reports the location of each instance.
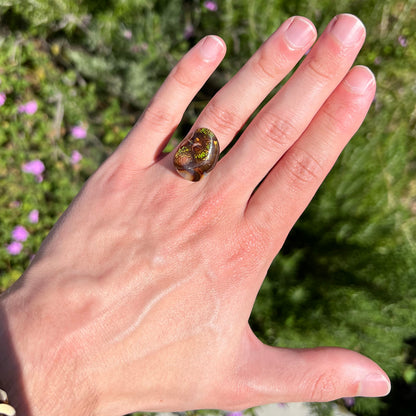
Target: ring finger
(229, 109)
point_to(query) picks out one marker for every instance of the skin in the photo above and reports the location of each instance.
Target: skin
(139, 298)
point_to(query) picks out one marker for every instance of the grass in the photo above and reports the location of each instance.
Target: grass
(346, 274)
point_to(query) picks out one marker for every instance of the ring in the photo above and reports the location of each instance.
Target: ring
(5, 408)
(197, 155)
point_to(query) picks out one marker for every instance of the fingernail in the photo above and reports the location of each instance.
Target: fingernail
(299, 33)
(210, 48)
(359, 79)
(347, 29)
(374, 385)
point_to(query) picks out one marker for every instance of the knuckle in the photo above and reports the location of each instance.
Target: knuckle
(267, 68)
(225, 120)
(319, 70)
(323, 388)
(235, 390)
(277, 132)
(340, 118)
(184, 76)
(302, 168)
(117, 177)
(160, 118)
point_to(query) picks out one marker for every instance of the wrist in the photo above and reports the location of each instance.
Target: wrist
(10, 372)
(38, 375)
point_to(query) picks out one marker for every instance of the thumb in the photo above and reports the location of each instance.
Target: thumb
(312, 375)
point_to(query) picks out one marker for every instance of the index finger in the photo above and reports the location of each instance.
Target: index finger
(152, 131)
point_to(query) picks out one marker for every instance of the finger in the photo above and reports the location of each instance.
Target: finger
(270, 375)
(291, 184)
(235, 102)
(287, 115)
(150, 134)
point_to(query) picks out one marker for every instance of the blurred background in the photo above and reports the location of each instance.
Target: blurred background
(74, 77)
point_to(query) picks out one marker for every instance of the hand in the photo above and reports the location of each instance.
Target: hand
(139, 298)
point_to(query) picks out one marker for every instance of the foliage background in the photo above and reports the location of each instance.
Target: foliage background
(346, 275)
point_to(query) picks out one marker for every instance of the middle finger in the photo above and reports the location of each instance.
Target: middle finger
(229, 109)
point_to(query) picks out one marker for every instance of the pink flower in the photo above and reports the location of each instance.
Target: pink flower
(189, 31)
(211, 6)
(78, 132)
(2, 98)
(29, 108)
(33, 216)
(20, 233)
(76, 157)
(349, 401)
(402, 41)
(127, 34)
(14, 248)
(35, 167)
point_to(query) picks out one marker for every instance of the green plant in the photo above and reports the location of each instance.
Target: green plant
(346, 273)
